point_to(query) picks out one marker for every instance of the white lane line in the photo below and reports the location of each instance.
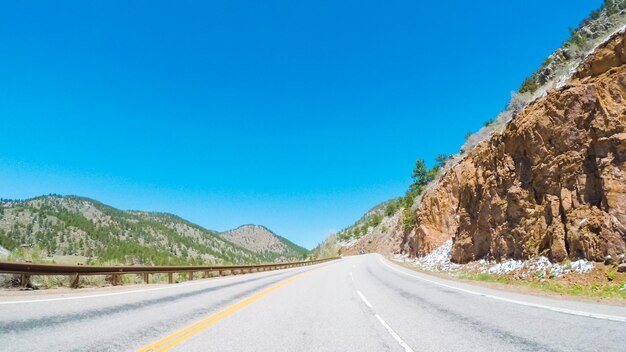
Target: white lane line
(514, 301)
(351, 277)
(104, 294)
(367, 303)
(393, 334)
(170, 287)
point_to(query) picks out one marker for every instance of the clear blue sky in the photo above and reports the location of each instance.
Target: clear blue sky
(298, 115)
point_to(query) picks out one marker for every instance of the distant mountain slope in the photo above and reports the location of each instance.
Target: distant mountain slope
(76, 226)
(262, 241)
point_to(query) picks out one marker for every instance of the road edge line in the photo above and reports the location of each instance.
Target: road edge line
(514, 301)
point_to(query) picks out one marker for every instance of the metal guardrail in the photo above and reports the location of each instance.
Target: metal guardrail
(26, 270)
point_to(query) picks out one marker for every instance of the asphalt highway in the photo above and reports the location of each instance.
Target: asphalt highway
(360, 303)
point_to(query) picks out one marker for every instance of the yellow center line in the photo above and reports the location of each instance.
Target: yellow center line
(194, 329)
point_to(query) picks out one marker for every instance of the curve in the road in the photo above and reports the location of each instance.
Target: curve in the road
(514, 301)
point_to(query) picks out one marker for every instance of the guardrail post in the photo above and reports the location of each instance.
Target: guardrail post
(146, 278)
(207, 274)
(170, 278)
(24, 280)
(74, 280)
(220, 272)
(115, 279)
(190, 275)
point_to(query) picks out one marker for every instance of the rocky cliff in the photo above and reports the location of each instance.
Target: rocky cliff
(551, 183)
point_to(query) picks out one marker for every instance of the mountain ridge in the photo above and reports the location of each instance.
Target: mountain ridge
(61, 226)
(261, 240)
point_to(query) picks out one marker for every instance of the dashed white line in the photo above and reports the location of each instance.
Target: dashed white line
(367, 303)
(351, 277)
(514, 301)
(393, 334)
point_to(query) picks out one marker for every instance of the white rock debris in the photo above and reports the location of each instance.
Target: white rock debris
(506, 267)
(581, 266)
(439, 260)
(4, 253)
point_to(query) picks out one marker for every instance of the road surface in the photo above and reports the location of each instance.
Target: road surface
(360, 303)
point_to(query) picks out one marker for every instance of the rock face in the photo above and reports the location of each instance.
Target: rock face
(552, 183)
(379, 239)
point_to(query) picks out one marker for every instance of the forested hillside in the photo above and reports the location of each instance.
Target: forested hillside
(53, 227)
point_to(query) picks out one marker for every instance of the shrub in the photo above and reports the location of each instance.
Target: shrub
(375, 220)
(421, 177)
(611, 275)
(392, 207)
(577, 38)
(409, 219)
(612, 7)
(530, 85)
(441, 160)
